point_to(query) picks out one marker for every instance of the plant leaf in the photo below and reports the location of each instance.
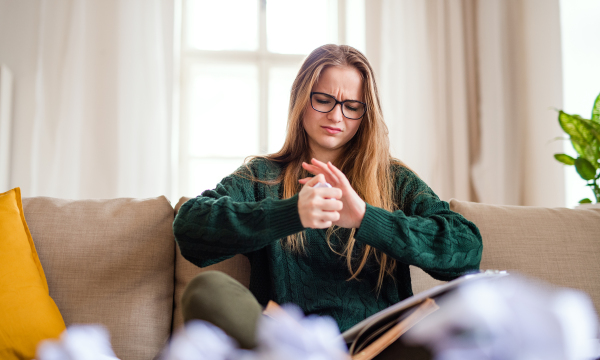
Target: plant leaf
(585, 201)
(585, 136)
(565, 159)
(585, 169)
(594, 127)
(596, 109)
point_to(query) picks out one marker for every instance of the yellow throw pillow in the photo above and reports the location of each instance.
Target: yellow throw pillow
(27, 312)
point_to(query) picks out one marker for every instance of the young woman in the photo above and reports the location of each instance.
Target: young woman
(342, 251)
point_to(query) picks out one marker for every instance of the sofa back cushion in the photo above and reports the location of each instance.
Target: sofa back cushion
(109, 262)
(557, 245)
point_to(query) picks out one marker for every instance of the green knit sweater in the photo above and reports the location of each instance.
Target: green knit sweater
(244, 217)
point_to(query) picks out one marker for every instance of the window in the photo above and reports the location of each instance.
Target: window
(581, 76)
(238, 61)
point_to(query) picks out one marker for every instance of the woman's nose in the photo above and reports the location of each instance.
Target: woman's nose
(336, 114)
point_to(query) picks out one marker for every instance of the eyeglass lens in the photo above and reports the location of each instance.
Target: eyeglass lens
(350, 109)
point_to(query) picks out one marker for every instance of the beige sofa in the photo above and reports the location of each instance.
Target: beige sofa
(115, 262)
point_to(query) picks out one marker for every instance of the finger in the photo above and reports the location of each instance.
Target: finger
(312, 169)
(317, 178)
(308, 166)
(322, 167)
(318, 170)
(340, 175)
(305, 180)
(324, 225)
(316, 161)
(330, 216)
(330, 193)
(332, 205)
(318, 164)
(315, 172)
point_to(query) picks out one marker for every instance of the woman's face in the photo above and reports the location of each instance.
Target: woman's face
(328, 132)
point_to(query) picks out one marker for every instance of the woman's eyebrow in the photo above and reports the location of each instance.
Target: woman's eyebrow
(322, 92)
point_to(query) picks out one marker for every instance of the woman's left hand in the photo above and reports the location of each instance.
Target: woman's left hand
(354, 208)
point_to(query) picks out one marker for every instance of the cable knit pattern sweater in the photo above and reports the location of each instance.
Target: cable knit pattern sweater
(241, 216)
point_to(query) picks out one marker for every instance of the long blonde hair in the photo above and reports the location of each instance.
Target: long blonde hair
(365, 159)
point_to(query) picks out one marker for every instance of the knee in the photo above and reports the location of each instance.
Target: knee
(209, 293)
(196, 291)
(208, 281)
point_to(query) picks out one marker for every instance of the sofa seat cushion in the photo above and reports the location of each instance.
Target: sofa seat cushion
(558, 245)
(109, 262)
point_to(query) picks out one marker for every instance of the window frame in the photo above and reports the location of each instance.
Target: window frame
(186, 57)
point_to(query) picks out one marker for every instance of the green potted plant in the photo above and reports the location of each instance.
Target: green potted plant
(585, 138)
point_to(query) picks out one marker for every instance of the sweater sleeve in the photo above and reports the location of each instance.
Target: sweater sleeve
(228, 220)
(426, 233)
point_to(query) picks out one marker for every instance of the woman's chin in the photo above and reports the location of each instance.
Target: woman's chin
(330, 145)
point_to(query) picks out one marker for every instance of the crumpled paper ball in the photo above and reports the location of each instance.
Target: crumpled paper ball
(510, 318)
(201, 340)
(292, 336)
(78, 342)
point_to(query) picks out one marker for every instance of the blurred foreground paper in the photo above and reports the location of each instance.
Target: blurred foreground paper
(290, 335)
(78, 342)
(510, 318)
(200, 340)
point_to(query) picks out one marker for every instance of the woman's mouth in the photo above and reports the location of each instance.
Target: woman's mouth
(332, 130)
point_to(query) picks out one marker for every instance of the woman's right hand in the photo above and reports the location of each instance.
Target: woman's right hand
(319, 208)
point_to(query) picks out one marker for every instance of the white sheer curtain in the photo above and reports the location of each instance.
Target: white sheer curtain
(103, 99)
(467, 88)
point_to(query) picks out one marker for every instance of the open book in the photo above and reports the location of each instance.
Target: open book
(371, 336)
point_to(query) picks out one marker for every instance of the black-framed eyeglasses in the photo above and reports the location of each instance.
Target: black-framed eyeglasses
(351, 109)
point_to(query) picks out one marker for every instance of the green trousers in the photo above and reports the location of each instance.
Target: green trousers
(218, 298)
